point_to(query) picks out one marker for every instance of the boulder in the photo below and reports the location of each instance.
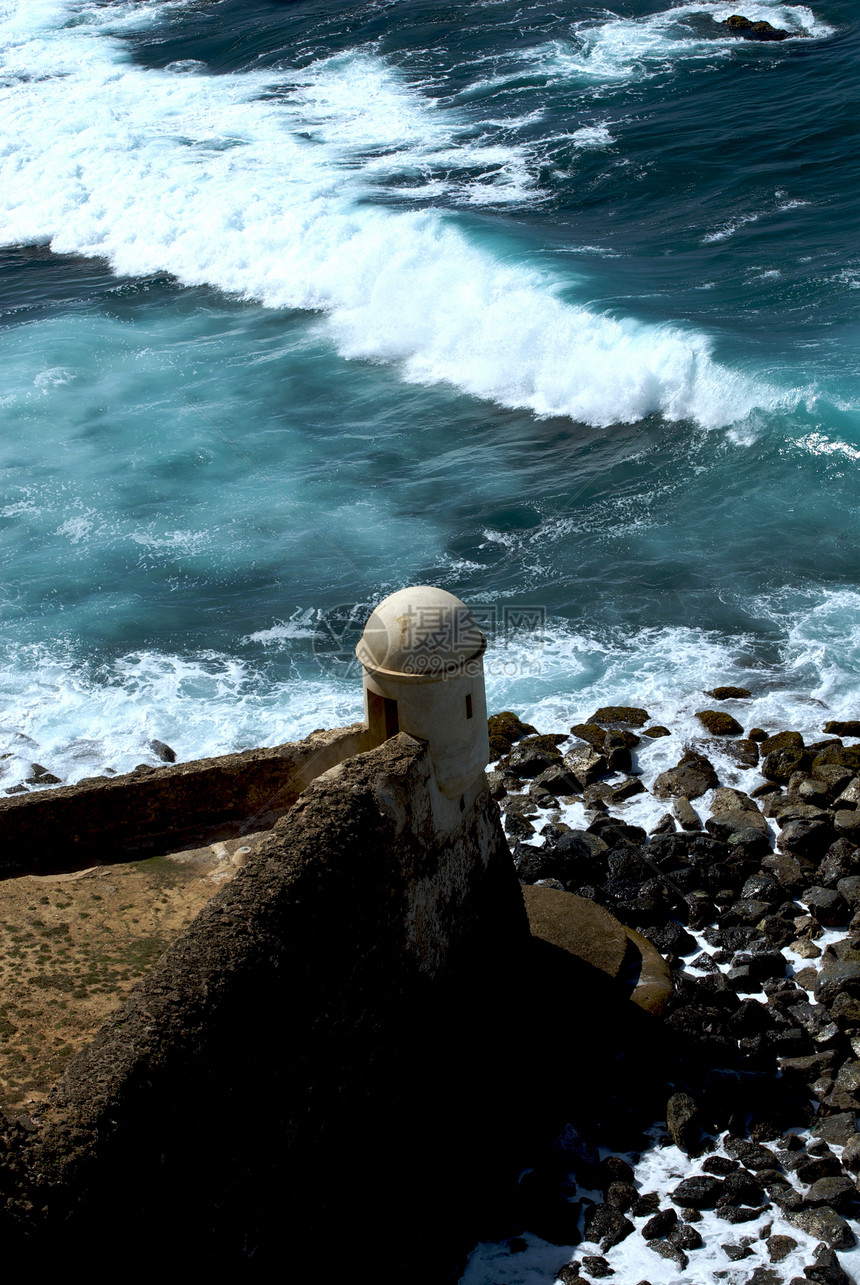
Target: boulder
(527, 761)
(837, 1193)
(667, 1250)
(685, 1126)
(851, 1154)
(597, 1266)
(741, 1189)
(807, 837)
(656, 731)
(779, 1247)
(782, 741)
(605, 739)
(741, 1214)
(617, 750)
(813, 1169)
(687, 816)
(627, 790)
(730, 693)
(835, 978)
(846, 1090)
(546, 741)
(719, 723)
(692, 777)
(764, 887)
(647, 1204)
(42, 777)
(744, 752)
(826, 906)
(809, 789)
(666, 825)
(739, 827)
(751, 1154)
(778, 764)
(837, 728)
(606, 1226)
(790, 869)
(792, 807)
(558, 780)
(841, 862)
(847, 825)
(833, 776)
(824, 1224)
(848, 887)
(729, 800)
(621, 1195)
(838, 756)
(586, 765)
(827, 1269)
(837, 1129)
(699, 1192)
(660, 1225)
(626, 715)
(735, 1253)
(850, 795)
(509, 726)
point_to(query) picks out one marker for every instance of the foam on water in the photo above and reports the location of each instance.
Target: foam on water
(633, 48)
(253, 184)
(81, 718)
(620, 51)
(808, 675)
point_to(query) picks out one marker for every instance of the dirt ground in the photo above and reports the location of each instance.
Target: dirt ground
(73, 945)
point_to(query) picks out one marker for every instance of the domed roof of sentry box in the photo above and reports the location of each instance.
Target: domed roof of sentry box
(421, 633)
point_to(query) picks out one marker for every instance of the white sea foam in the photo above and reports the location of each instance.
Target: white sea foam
(303, 624)
(201, 176)
(592, 136)
(729, 229)
(818, 444)
(616, 50)
(82, 719)
(809, 676)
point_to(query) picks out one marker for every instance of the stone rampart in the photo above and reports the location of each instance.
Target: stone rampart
(296, 1074)
(157, 809)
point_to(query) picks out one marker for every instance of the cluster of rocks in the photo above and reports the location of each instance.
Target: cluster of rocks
(749, 30)
(745, 1017)
(37, 776)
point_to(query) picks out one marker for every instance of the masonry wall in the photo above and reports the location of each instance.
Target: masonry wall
(157, 809)
(289, 1086)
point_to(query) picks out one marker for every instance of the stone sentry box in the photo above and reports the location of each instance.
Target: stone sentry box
(422, 656)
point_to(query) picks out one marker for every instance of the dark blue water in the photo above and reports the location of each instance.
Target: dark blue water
(555, 306)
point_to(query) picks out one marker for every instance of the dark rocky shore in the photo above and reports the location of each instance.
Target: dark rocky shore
(754, 900)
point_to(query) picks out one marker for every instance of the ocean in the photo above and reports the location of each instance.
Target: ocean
(550, 304)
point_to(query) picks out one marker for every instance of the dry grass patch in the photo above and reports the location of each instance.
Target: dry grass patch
(73, 945)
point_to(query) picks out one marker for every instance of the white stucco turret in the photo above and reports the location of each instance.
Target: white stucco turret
(422, 655)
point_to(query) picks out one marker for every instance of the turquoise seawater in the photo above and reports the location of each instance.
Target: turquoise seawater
(553, 305)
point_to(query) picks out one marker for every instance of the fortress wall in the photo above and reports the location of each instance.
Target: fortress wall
(159, 809)
(311, 1065)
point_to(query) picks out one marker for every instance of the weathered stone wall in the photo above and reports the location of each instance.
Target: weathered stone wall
(296, 1075)
(158, 809)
